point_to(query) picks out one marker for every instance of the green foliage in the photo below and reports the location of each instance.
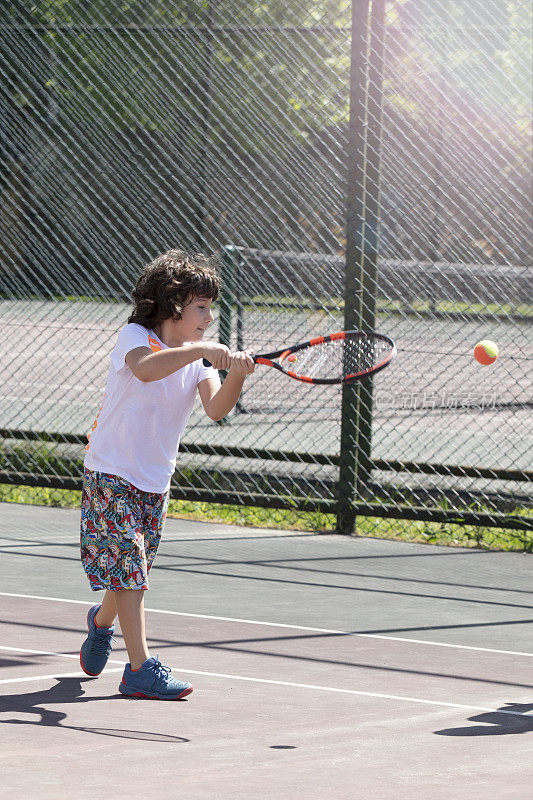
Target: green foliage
(444, 534)
(238, 113)
(40, 458)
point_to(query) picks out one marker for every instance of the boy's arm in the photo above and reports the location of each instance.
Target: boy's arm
(219, 400)
(148, 366)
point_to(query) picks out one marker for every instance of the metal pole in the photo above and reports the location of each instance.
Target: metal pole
(370, 235)
(201, 207)
(227, 301)
(438, 158)
(354, 255)
(361, 247)
(239, 406)
(227, 296)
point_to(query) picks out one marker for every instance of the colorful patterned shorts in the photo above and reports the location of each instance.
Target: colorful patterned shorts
(121, 527)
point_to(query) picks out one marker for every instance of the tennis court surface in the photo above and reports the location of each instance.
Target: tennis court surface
(324, 667)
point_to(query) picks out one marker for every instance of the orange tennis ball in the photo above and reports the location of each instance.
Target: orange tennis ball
(486, 352)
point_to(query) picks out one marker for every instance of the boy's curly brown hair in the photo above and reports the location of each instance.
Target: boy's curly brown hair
(169, 282)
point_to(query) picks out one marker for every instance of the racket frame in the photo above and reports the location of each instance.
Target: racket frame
(277, 357)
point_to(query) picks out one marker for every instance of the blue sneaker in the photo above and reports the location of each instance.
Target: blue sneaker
(96, 647)
(153, 682)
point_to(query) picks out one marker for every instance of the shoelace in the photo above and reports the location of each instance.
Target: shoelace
(102, 645)
(160, 672)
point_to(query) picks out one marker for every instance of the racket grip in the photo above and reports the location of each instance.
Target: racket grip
(206, 362)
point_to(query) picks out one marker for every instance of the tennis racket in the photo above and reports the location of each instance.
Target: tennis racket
(343, 357)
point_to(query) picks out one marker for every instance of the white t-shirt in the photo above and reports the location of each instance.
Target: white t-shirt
(137, 431)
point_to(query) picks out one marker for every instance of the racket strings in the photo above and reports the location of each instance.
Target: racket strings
(340, 358)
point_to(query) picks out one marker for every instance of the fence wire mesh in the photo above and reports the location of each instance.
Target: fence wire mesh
(128, 129)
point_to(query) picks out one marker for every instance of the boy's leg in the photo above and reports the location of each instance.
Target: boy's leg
(105, 616)
(130, 607)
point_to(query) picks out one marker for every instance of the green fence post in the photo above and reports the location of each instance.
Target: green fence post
(227, 296)
(227, 301)
(361, 247)
(205, 92)
(370, 232)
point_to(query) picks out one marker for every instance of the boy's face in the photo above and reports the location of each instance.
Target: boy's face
(195, 318)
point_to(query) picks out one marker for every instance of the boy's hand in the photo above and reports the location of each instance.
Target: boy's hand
(242, 364)
(217, 354)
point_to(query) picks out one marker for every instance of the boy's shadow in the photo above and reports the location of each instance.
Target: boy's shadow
(495, 723)
(65, 691)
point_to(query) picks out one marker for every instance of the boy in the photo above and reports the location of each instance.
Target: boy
(156, 369)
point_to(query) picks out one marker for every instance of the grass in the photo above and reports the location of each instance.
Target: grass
(63, 459)
(383, 305)
(444, 534)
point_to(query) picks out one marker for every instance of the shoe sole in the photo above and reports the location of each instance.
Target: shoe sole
(127, 693)
(92, 674)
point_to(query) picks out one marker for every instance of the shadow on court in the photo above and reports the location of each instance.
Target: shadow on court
(496, 724)
(323, 667)
(68, 691)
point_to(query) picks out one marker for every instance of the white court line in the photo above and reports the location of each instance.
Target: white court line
(49, 653)
(335, 689)
(290, 627)
(56, 675)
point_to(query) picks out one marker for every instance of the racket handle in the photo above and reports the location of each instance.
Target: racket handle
(208, 363)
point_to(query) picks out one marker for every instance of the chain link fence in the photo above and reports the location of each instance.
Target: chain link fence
(363, 164)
